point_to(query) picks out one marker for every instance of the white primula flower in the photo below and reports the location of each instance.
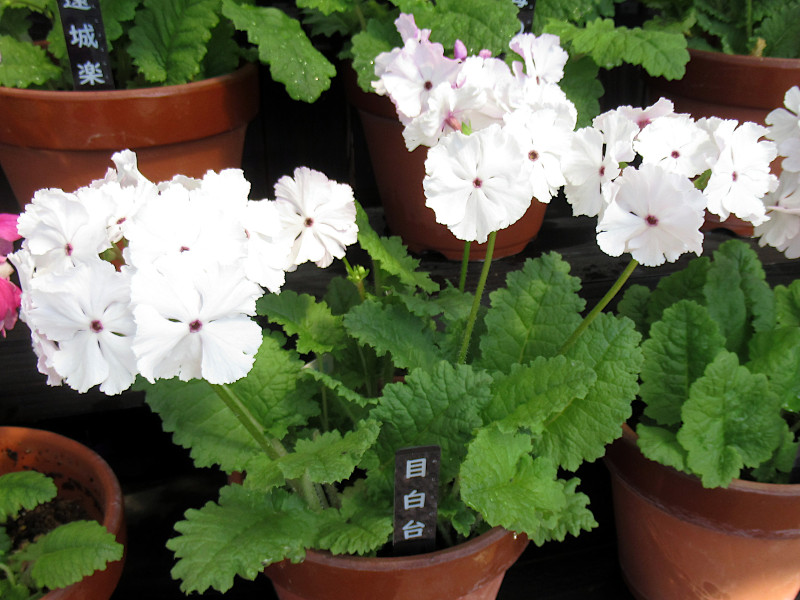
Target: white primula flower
(544, 138)
(588, 172)
(740, 175)
(194, 323)
(544, 57)
(676, 143)
(618, 135)
(472, 182)
(644, 116)
(784, 129)
(62, 230)
(495, 80)
(268, 246)
(86, 313)
(655, 215)
(782, 229)
(318, 214)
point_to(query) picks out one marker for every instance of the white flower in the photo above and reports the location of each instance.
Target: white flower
(655, 215)
(62, 230)
(784, 129)
(644, 116)
(588, 172)
(740, 176)
(472, 182)
(544, 57)
(86, 313)
(194, 323)
(618, 135)
(267, 246)
(544, 138)
(676, 143)
(318, 214)
(782, 229)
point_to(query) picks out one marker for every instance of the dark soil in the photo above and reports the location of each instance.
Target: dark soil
(29, 524)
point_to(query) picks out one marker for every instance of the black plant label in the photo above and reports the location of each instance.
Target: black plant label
(416, 489)
(86, 44)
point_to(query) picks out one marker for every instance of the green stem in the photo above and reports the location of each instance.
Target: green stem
(272, 447)
(587, 320)
(476, 302)
(462, 281)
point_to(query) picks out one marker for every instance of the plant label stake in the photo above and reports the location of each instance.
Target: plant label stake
(416, 488)
(86, 44)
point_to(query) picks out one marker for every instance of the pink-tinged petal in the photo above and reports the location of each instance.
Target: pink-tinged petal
(10, 296)
(8, 227)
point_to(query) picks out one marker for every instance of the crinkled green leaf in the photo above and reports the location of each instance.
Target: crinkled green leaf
(581, 431)
(574, 11)
(508, 487)
(24, 490)
(245, 531)
(168, 39)
(660, 53)
(633, 305)
(285, 47)
(361, 527)
(337, 386)
(581, 84)
(115, 13)
(776, 354)
(378, 36)
(198, 419)
(341, 295)
(779, 467)
(24, 64)
(331, 456)
(392, 255)
(787, 304)
(660, 444)
(69, 553)
(438, 405)
(317, 329)
(738, 296)
(679, 348)
(731, 420)
(13, 591)
(781, 30)
(528, 396)
(533, 315)
(392, 328)
(685, 284)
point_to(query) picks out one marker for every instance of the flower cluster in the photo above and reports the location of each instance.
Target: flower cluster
(189, 270)
(496, 132)
(9, 293)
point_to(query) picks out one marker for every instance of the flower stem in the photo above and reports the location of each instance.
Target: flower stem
(462, 281)
(476, 302)
(598, 308)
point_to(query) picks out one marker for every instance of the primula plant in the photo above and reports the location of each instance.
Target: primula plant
(58, 558)
(312, 400)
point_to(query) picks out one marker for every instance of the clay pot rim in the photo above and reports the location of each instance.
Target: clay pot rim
(242, 72)
(744, 59)
(393, 563)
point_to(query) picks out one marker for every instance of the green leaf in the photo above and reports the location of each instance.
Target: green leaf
(661, 445)
(24, 490)
(24, 64)
(660, 53)
(361, 527)
(581, 84)
(531, 394)
(330, 457)
(392, 255)
(581, 431)
(723, 428)
(533, 315)
(508, 487)
(115, 13)
(317, 329)
(439, 405)
(169, 37)
(245, 531)
(379, 36)
(781, 30)
(681, 345)
(633, 305)
(776, 354)
(787, 304)
(392, 328)
(200, 421)
(69, 552)
(284, 46)
(685, 284)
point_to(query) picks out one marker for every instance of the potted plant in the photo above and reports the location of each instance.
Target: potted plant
(61, 519)
(707, 469)
(313, 402)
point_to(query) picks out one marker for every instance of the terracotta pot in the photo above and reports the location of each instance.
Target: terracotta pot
(470, 571)
(399, 174)
(80, 474)
(729, 86)
(66, 139)
(680, 541)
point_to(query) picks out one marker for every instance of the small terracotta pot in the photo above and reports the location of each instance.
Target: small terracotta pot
(470, 571)
(729, 86)
(80, 474)
(399, 174)
(66, 139)
(680, 541)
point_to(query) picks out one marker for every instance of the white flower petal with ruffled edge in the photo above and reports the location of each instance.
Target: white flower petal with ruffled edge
(782, 229)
